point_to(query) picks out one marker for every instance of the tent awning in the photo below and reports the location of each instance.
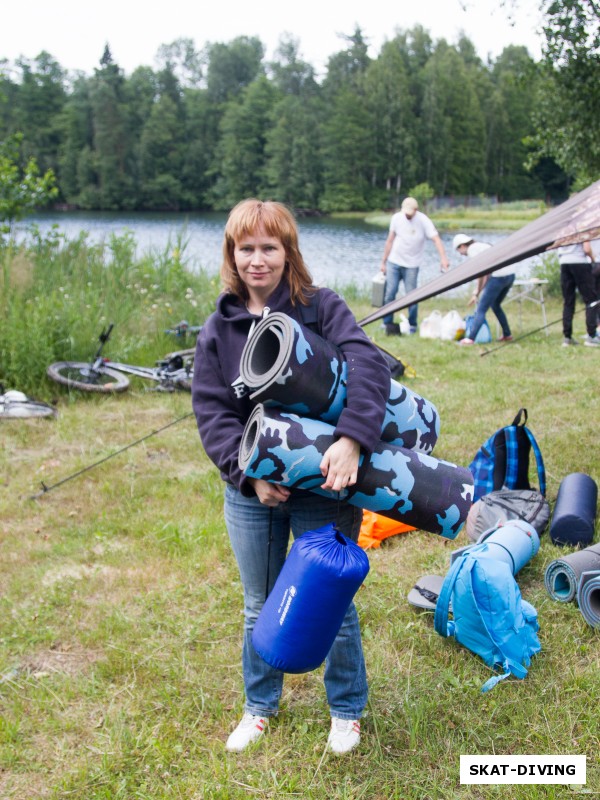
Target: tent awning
(575, 220)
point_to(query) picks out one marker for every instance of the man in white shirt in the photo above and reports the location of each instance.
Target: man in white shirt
(402, 256)
(490, 291)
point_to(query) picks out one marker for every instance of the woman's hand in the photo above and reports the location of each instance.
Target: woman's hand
(269, 494)
(339, 465)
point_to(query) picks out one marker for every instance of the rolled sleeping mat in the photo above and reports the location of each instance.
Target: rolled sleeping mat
(588, 597)
(286, 365)
(562, 575)
(574, 514)
(306, 607)
(414, 488)
(515, 542)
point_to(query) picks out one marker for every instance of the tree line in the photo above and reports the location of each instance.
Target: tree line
(205, 128)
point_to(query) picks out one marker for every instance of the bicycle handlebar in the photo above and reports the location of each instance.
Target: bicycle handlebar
(183, 328)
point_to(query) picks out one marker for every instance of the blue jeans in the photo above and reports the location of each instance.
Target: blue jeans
(393, 275)
(247, 521)
(492, 296)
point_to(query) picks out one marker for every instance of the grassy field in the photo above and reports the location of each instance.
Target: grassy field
(501, 216)
(121, 611)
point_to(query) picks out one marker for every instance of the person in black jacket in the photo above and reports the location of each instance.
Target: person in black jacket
(262, 271)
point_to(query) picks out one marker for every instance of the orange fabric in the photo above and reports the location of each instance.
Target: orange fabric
(375, 528)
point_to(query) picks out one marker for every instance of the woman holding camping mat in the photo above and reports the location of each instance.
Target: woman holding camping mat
(263, 271)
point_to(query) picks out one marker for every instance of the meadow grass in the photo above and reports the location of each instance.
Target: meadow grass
(499, 216)
(121, 608)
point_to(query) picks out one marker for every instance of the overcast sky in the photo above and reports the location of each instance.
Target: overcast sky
(75, 31)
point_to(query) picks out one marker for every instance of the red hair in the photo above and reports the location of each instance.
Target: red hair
(275, 220)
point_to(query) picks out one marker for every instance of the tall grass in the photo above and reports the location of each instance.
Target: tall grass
(56, 295)
(549, 270)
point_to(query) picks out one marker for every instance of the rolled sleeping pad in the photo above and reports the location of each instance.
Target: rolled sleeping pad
(588, 597)
(306, 607)
(515, 542)
(562, 575)
(414, 488)
(286, 365)
(574, 514)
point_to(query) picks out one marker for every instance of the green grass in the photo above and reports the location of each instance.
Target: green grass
(121, 608)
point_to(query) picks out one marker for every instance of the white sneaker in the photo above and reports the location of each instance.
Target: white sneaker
(250, 729)
(592, 341)
(344, 735)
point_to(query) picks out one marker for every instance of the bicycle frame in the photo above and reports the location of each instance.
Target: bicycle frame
(161, 374)
(104, 375)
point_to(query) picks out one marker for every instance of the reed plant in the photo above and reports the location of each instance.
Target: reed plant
(121, 605)
(57, 294)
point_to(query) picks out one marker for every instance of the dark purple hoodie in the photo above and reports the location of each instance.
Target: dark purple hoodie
(222, 409)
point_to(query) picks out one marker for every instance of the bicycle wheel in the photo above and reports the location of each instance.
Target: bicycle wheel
(185, 354)
(77, 375)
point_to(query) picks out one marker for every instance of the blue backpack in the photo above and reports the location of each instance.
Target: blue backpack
(489, 616)
(502, 462)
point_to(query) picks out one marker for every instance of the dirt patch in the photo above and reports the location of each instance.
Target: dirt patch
(75, 572)
(23, 786)
(64, 658)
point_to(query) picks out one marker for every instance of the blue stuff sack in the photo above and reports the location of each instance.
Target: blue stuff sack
(306, 607)
(502, 462)
(484, 335)
(490, 618)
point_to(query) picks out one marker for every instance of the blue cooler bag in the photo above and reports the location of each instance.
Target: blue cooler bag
(305, 609)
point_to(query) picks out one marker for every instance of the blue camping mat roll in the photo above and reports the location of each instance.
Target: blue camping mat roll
(562, 575)
(285, 364)
(588, 597)
(414, 488)
(574, 514)
(515, 542)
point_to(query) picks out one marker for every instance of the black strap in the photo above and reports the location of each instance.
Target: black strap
(269, 550)
(426, 593)
(310, 313)
(521, 418)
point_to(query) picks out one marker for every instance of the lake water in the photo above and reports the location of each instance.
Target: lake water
(337, 252)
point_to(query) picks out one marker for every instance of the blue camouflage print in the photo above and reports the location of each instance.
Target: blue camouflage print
(288, 366)
(414, 488)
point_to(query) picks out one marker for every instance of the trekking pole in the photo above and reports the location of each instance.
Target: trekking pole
(537, 330)
(46, 489)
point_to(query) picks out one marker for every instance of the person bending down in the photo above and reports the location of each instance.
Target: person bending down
(490, 292)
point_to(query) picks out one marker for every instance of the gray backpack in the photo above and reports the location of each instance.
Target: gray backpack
(502, 505)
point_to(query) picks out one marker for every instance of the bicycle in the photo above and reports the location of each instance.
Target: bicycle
(172, 372)
(16, 405)
(182, 330)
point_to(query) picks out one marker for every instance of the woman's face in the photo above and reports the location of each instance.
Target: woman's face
(260, 262)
